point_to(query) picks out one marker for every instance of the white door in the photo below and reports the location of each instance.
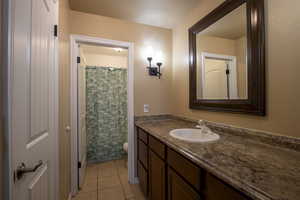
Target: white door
(81, 119)
(216, 79)
(34, 103)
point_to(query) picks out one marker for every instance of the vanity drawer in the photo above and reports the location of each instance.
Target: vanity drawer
(142, 135)
(185, 168)
(143, 153)
(157, 147)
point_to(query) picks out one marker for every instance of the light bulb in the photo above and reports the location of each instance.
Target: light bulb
(149, 52)
(159, 57)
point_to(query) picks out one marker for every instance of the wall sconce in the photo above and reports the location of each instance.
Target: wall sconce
(154, 71)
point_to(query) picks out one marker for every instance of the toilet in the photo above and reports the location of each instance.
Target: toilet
(125, 147)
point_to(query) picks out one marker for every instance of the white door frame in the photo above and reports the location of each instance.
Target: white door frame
(8, 67)
(232, 67)
(75, 39)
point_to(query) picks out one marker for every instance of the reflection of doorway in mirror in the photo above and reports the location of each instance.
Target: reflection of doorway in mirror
(216, 80)
(219, 79)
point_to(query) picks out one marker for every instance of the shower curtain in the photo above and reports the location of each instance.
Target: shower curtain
(106, 117)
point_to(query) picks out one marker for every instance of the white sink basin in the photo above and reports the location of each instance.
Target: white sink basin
(194, 135)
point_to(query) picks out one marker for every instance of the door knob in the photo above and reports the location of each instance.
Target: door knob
(68, 128)
(22, 169)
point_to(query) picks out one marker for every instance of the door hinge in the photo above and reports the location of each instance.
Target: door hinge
(227, 71)
(55, 30)
(79, 165)
(78, 59)
(14, 176)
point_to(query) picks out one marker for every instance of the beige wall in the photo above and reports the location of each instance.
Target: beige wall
(216, 45)
(64, 100)
(282, 70)
(147, 90)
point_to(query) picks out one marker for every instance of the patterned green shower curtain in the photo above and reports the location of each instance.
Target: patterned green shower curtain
(106, 116)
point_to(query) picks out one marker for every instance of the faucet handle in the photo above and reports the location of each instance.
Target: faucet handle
(201, 122)
(198, 126)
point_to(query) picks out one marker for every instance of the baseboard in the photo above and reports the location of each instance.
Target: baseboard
(135, 180)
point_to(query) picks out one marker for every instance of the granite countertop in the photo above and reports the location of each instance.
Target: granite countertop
(261, 170)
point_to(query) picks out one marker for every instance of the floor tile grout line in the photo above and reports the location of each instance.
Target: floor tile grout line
(98, 177)
(98, 182)
(122, 186)
(117, 166)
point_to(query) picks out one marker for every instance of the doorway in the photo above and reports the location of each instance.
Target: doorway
(218, 76)
(101, 89)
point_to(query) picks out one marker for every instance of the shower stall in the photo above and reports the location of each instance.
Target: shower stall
(106, 112)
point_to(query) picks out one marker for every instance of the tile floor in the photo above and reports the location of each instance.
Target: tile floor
(108, 181)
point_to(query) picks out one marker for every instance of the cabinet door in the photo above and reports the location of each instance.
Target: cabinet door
(157, 179)
(178, 189)
(143, 178)
(143, 153)
(217, 190)
(185, 168)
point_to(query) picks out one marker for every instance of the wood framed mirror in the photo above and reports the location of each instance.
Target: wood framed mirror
(227, 59)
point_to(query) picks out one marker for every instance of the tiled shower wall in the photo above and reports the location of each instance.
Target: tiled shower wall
(106, 114)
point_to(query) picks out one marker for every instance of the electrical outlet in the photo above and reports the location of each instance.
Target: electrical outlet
(146, 108)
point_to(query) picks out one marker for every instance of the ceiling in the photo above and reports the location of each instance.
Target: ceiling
(232, 26)
(162, 13)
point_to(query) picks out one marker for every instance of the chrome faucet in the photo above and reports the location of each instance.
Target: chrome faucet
(201, 124)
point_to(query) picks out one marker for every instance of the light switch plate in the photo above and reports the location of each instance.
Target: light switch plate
(146, 108)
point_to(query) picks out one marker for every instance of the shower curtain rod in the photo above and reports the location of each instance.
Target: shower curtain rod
(114, 68)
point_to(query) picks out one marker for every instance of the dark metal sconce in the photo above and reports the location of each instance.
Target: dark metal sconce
(154, 71)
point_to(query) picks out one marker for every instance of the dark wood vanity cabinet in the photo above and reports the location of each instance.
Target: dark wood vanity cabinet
(190, 172)
(165, 174)
(142, 163)
(143, 178)
(143, 154)
(157, 169)
(157, 177)
(216, 189)
(178, 189)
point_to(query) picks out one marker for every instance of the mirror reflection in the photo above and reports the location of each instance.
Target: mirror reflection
(222, 58)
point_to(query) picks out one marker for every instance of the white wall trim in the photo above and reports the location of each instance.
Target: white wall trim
(83, 57)
(233, 72)
(74, 40)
